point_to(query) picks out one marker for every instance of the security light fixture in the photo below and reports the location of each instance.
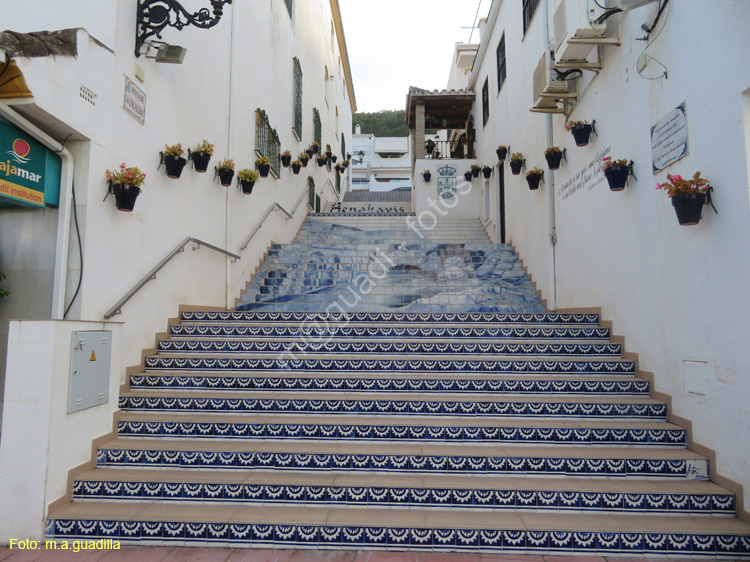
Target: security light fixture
(153, 16)
(173, 54)
(361, 155)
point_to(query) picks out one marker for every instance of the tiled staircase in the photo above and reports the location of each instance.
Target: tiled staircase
(457, 417)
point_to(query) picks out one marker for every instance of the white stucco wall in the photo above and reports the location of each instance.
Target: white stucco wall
(428, 204)
(40, 441)
(678, 294)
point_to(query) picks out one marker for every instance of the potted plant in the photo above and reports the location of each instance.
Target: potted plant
(617, 172)
(468, 175)
(427, 176)
(286, 158)
(533, 177)
(517, 161)
(225, 171)
(263, 163)
(296, 166)
(247, 179)
(502, 152)
(329, 152)
(487, 172)
(688, 196)
(125, 183)
(315, 147)
(553, 155)
(581, 131)
(339, 169)
(476, 169)
(322, 161)
(334, 158)
(304, 159)
(201, 155)
(173, 160)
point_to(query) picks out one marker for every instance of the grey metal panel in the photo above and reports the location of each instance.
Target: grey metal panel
(88, 384)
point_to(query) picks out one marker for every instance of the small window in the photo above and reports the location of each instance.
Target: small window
(317, 127)
(311, 193)
(267, 141)
(529, 8)
(290, 6)
(297, 99)
(486, 101)
(501, 63)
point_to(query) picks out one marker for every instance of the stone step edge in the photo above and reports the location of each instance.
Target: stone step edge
(421, 317)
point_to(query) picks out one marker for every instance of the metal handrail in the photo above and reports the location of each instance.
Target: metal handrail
(117, 309)
(274, 207)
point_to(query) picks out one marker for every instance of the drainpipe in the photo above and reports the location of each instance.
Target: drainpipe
(230, 138)
(552, 296)
(63, 216)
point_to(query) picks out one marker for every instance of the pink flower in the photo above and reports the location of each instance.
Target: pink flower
(122, 165)
(678, 178)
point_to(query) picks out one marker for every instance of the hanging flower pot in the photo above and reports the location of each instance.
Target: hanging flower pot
(516, 163)
(247, 179)
(247, 186)
(174, 166)
(263, 163)
(487, 172)
(616, 172)
(502, 152)
(125, 196)
(533, 177)
(286, 159)
(125, 183)
(476, 170)
(322, 160)
(310, 153)
(689, 207)
(315, 147)
(296, 166)
(201, 155)
(334, 158)
(427, 176)
(581, 132)
(304, 159)
(553, 155)
(467, 176)
(225, 176)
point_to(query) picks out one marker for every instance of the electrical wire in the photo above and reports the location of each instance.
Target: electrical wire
(651, 42)
(80, 250)
(473, 25)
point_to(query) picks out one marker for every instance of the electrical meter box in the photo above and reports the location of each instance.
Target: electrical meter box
(88, 384)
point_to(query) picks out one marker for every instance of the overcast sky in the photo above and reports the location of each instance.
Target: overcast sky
(394, 44)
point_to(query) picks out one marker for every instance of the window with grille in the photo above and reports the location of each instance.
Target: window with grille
(529, 7)
(317, 127)
(289, 6)
(486, 101)
(267, 141)
(501, 63)
(338, 181)
(297, 98)
(310, 193)
(343, 147)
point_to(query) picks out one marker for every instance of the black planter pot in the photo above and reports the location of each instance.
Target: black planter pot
(533, 180)
(304, 162)
(581, 134)
(334, 158)
(286, 160)
(617, 177)
(689, 207)
(125, 196)
(174, 165)
(310, 152)
(321, 162)
(487, 172)
(296, 168)
(501, 153)
(515, 166)
(553, 160)
(247, 186)
(475, 172)
(467, 176)
(427, 177)
(225, 176)
(200, 161)
(263, 170)
(329, 154)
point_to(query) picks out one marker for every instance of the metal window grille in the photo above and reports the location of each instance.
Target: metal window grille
(297, 98)
(338, 182)
(318, 127)
(310, 193)
(267, 141)
(501, 70)
(486, 101)
(289, 6)
(529, 7)
(343, 147)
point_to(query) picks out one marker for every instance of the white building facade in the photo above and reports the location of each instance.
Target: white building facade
(651, 79)
(269, 76)
(380, 163)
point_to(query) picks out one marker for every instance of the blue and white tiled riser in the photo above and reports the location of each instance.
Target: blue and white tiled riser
(444, 410)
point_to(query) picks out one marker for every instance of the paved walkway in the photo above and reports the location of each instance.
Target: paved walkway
(175, 554)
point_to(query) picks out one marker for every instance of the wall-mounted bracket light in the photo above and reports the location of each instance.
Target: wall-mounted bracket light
(153, 16)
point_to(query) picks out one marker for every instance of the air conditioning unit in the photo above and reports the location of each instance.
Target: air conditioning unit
(575, 20)
(548, 88)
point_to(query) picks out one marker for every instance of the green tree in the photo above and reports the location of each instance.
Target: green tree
(386, 123)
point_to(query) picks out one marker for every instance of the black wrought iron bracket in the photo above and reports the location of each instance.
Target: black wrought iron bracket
(153, 16)
(593, 127)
